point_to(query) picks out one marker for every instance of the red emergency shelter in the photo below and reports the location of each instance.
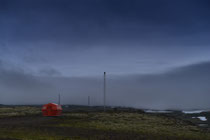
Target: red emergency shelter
(51, 109)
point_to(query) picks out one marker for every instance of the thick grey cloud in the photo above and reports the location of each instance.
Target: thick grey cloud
(18, 87)
(53, 46)
(49, 72)
(181, 88)
(81, 37)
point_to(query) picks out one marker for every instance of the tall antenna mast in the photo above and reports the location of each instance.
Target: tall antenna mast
(104, 91)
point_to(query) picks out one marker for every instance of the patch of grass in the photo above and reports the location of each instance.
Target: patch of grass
(151, 125)
(27, 123)
(27, 134)
(19, 111)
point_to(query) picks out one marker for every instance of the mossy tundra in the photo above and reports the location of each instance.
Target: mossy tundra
(27, 123)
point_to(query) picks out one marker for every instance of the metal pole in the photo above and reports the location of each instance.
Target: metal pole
(104, 91)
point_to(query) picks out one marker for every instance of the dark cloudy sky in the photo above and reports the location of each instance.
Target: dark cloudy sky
(84, 38)
(87, 37)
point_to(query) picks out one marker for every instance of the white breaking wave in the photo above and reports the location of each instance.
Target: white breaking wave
(202, 118)
(194, 111)
(157, 111)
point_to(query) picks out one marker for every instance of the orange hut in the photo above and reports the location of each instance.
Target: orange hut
(51, 109)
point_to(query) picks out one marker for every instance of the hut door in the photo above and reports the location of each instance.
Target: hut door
(49, 110)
